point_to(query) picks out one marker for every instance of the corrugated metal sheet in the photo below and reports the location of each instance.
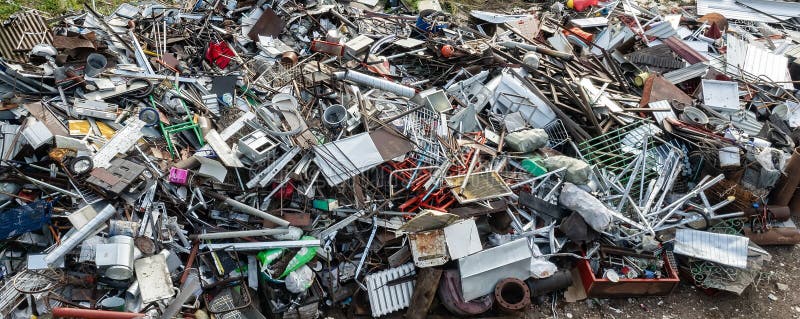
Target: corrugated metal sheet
(792, 51)
(753, 61)
(661, 30)
(657, 56)
(21, 34)
(687, 73)
(731, 10)
(684, 50)
(384, 298)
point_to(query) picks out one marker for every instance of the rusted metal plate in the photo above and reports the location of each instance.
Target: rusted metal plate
(429, 248)
(656, 88)
(268, 24)
(683, 50)
(62, 42)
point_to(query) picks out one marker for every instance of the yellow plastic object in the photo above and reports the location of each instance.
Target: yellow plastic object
(106, 130)
(570, 4)
(79, 127)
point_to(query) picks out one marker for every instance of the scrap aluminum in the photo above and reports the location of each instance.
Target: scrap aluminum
(302, 159)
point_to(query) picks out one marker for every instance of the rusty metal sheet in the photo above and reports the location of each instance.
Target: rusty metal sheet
(25, 30)
(429, 248)
(62, 42)
(428, 219)
(683, 50)
(656, 88)
(268, 24)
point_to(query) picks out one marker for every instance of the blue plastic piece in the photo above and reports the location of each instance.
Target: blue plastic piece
(20, 220)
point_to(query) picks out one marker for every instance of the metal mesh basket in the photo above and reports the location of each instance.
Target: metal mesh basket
(556, 133)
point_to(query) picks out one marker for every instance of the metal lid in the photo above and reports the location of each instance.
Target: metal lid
(119, 272)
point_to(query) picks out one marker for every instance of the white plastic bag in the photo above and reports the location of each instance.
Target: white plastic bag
(300, 279)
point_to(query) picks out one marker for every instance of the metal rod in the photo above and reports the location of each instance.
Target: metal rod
(240, 234)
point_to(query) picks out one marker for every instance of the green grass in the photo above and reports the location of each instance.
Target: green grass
(54, 7)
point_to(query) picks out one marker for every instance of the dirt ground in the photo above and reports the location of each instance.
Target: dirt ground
(767, 297)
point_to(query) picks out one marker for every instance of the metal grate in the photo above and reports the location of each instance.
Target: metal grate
(385, 297)
(25, 30)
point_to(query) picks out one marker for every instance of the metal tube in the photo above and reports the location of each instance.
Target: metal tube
(51, 187)
(78, 237)
(375, 82)
(262, 245)
(247, 209)
(240, 234)
(533, 48)
(61, 312)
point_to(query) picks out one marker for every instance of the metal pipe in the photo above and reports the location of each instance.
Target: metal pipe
(247, 209)
(512, 295)
(51, 187)
(533, 48)
(262, 245)
(188, 288)
(61, 312)
(240, 234)
(375, 82)
(81, 235)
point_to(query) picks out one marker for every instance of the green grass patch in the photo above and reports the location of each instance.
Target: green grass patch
(55, 7)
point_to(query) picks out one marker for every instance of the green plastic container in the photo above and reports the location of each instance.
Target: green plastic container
(534, 166)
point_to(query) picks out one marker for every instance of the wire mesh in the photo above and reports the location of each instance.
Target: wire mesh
(618, 152)
(421, 127)
(227, 306)
(556, 133)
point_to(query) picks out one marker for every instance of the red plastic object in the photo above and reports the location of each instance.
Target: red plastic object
(285, 192)
(586, 36)
(60, 312)
(219, 53)
(447, 50)
(603, 288)
(580, 5)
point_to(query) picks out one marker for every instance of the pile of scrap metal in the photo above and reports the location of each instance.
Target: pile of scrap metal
(293, 159)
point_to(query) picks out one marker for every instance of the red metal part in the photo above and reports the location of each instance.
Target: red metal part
(60, 312)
